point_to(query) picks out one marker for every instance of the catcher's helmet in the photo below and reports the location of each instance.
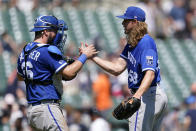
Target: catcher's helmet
(48, 22)
(45, 22)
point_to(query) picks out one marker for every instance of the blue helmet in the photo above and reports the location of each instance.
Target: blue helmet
(44, 22)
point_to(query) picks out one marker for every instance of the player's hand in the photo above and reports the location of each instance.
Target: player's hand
(88, 50)
(80, 50)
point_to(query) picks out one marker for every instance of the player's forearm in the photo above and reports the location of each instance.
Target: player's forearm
(108, 66)
(71, 70)
(145, 84)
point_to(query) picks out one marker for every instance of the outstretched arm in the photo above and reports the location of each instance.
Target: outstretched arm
(70, 71)
(114, 67)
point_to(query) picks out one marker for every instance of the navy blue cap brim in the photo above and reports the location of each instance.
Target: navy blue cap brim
(124, 17)
(128, 18)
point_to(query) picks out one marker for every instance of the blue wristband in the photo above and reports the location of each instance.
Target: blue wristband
(82, 58)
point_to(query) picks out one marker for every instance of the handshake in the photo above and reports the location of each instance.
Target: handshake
(85, 52)
(88, 50)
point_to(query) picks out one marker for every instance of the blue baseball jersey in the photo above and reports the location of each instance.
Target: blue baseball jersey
(41, 65)
(139, 59)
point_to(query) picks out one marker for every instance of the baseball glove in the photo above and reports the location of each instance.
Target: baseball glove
(126, 108)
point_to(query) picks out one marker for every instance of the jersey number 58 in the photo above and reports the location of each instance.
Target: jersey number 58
(133, 77)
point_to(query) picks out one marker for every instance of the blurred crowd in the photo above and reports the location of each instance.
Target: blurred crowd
(165, 18)
(182, 117)
(170, 18)
(89, 99)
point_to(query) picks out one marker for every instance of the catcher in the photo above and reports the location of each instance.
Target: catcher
(146, 108)
(42, 66)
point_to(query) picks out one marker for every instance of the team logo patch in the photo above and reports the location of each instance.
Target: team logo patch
(149, 60)
(61, 62)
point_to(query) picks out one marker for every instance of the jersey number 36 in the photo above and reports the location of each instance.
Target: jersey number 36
(29, 66)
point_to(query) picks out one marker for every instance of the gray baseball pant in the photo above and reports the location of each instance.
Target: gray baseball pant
(46, 117)
(149, 116)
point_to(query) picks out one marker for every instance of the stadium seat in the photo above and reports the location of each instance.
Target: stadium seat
(107, 30)
(76, 25)
(184, 61)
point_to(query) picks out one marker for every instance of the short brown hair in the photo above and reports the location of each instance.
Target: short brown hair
(38, 34)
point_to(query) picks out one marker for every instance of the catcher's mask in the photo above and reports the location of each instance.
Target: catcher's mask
(51, 22)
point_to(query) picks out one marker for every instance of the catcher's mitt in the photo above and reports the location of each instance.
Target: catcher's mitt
(126, 108)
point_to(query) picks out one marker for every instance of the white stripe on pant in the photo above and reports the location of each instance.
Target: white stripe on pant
(151, 112)
(46, 117)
